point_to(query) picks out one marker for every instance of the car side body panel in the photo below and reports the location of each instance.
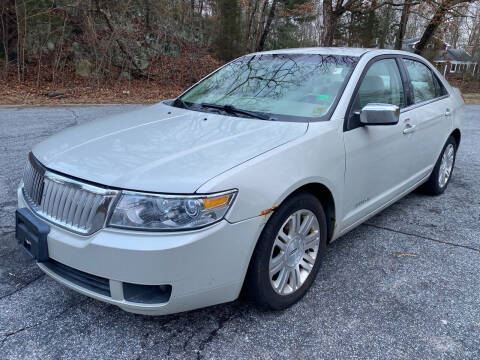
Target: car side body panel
(432, 125)
(283, 170)
(269, 178)
(378, 167)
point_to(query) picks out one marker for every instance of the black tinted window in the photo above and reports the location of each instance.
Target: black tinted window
(440, 89)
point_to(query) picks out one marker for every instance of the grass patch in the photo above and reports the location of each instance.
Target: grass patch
(472, 98)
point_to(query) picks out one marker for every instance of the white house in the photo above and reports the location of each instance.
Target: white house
(445, 57)
(460, 61)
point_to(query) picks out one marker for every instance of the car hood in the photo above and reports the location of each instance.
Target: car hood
(161, 148)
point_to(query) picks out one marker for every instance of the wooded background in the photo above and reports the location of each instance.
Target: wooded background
(173, 43)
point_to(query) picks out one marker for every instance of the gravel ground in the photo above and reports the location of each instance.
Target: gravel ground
(404, 285)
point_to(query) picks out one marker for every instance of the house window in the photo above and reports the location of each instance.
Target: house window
(453, 68)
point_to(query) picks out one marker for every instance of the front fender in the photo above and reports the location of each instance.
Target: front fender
(265, 181)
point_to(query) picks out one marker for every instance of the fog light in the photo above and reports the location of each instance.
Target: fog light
(147, 294)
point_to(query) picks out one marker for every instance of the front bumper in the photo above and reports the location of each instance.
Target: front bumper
(203, 267)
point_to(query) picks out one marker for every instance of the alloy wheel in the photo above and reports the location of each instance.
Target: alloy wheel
(446, 165)
(294, 252)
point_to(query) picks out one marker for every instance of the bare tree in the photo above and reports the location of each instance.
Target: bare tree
(266, 30)
(331, 15)
(253, 6)
(4, 20)
(442, 8)
(403, 24)
(333, 12)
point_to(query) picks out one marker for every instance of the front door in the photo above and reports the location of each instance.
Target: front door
(377, 157)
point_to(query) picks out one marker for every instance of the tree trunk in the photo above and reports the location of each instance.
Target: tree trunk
(350, 30)
(430, 29)
(20, 44)
(250, 22)
(268, 25)
(5, 37)
(260, 26)
(147, 14)
(329, 23)
(371, 31)
(444, 7)
(386, 21)
(475, 32)
(403, 25)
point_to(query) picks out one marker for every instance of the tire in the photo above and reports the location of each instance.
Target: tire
(266, 290)
(435, 185)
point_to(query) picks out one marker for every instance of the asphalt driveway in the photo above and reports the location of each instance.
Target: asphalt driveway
(404, 285)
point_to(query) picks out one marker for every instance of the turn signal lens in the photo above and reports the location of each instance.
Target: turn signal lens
(216, 202)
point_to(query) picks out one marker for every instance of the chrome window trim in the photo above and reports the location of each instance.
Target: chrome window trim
(423, 103)
(405, 80)
(346, 119)
(433, 70)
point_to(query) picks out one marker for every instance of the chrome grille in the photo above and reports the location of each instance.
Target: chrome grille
(33, 179)
(68, 203)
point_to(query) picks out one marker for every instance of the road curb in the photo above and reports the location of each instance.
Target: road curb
(66, 105)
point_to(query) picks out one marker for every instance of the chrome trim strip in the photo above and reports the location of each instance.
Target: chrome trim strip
(79, 185)
(67, 203)
(177, 196)
(423, 103)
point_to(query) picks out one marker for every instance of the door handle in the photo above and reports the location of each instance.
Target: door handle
(448, 112)
(409, 128)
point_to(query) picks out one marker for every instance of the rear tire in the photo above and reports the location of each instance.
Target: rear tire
(288, 254)
(442, 172)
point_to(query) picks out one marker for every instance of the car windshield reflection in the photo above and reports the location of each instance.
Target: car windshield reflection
(295, 87)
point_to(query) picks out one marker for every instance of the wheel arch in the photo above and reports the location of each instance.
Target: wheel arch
(325, 196)
(457, 136)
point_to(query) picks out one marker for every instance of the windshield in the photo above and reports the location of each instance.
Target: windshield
(286, 86)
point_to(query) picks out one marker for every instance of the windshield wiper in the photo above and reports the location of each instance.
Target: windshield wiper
(180, 103)
(233, 110)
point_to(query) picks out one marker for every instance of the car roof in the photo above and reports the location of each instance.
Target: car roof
(342, 51)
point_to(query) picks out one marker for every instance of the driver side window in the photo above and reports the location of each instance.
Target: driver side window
(382, 84)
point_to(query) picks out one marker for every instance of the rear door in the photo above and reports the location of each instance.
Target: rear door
(377, 157)
(430, 116)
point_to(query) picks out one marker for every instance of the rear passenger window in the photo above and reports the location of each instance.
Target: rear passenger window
(424, 83)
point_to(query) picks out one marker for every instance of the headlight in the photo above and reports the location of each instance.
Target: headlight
(138, 211)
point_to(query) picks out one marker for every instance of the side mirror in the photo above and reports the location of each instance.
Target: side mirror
(380, 114)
